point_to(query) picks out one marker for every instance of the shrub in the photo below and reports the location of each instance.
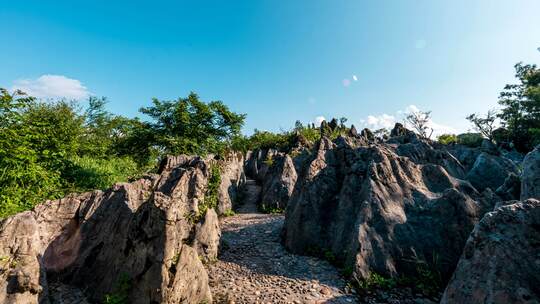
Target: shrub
(211, 195)
(86, 173)
(447, 139)
(472, 140)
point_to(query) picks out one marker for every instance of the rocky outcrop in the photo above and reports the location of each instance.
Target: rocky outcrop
(388, 207)
(232, 179)
(530, 187)
(500, 262)
(231, 175)
(140, 234)
(258, 162)
(279, 184)
(207, 235)
(490, 171)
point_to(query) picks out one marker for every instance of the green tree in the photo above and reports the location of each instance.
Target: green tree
(191, 126)
(24, 179)
(521, 107)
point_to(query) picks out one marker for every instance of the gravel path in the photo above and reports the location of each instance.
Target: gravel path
(253, 266)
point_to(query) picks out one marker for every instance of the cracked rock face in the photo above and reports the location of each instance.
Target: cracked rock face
(387, 207)
(279, 183)
(136, 232)
(501, 260)
(530, 186)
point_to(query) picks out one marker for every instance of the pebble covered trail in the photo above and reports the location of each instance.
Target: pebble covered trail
(253, 267)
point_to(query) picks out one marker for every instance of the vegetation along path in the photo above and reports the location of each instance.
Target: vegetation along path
(253, 266)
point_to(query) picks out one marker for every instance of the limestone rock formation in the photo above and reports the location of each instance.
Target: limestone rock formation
(380, 212)
(500, 262)
(207, 235)
(233, 179)
(138, 233)
(258, 162)
(490, 171)
(387, 207)
(279, 183)
(530, 187)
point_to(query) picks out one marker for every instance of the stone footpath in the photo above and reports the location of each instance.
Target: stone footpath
(253, 267)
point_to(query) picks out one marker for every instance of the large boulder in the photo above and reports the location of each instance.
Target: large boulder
(501, 261)
(375, 210)
(490, 171)
(279, 183)
(137, 234)
(530, 187)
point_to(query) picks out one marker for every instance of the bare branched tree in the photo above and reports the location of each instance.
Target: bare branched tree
(484, 125)
(419, 122)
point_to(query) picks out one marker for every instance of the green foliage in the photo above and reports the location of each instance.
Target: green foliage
(211, 196)
(376, 281)
(87, 173)
(270, 210)
(48, 149)
(191, 126)
(269, 161)
(520, 114)
(228, 213)
(447, 139)
(472, 140)
(120, 294)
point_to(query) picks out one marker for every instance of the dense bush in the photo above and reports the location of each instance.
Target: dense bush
(88, 173)
(472, 140)
(447, 139)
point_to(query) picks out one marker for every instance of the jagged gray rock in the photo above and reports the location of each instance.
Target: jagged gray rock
(530, 187)
(140, 232)
(207, 235)
(490, 171)
(500, 262)
(279, 183)
(233, 179)
(377, 211)
(510, 189)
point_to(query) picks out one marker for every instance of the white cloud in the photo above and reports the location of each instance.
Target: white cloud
(319, 120)
(387, 121)
(354, 78)
(379, 121)
(52, 86)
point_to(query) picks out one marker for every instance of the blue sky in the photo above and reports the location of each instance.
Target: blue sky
(277, 61)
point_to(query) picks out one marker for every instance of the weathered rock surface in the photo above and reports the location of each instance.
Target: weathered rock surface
(490, 171)
(258, 162)
(207, 235)
(232, 176)
(139, 232)
(501, 260)
(279, 183)
(233, 179)
(530, 187)
(387, 207)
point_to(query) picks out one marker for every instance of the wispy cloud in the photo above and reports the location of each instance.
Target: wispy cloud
(387, 121)
(52, 86)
